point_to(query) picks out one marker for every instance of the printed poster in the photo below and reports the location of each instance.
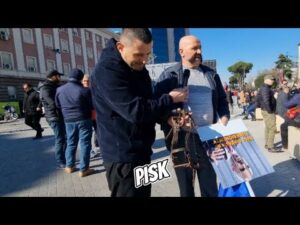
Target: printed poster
(233, 152)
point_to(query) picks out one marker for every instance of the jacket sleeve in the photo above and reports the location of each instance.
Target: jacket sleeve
(222, 106)
(294, 101)
(116, 90)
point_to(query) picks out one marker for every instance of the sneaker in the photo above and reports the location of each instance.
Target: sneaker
(274, 150)
(60, 166)
(70, 169)
(266, 146)
(86, 172)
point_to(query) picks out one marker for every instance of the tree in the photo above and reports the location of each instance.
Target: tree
(239, 71)
(285, 64)
(233, 80)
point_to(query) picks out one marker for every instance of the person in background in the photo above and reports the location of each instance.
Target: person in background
(267, 103)
(75, 102)
(96, 151)
(32, 108)
(54, 116)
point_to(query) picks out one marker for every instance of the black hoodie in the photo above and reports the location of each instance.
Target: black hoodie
(125, 107)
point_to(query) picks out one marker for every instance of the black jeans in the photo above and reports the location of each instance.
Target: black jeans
(120, 180)
(207, 181)
(284, 130)
(34, 122)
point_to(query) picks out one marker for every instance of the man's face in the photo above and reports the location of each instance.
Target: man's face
(191, 52)
(57, 78)
(135, 54)
(25, 88)
(85, 82)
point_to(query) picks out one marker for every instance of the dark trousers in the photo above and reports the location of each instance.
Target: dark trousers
(120, 180)
(284, 130)
(206, 177)
(34, 122)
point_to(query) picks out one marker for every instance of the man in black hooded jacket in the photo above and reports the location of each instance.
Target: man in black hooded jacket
(54, 116)
(126, 109)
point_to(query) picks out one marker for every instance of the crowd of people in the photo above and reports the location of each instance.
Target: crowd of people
(118, 102)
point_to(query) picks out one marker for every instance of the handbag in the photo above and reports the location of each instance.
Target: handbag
(292, 112)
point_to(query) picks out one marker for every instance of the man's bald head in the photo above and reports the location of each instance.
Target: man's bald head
(190, 51)
(187, 40)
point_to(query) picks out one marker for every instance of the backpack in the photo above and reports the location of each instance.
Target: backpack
(292, 112)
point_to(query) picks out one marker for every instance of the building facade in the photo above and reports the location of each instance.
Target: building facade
(165, 44)
(28, 54)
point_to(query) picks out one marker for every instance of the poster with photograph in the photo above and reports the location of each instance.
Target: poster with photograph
(233, 152)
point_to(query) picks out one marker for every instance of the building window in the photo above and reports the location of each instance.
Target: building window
(87, 35)
(77, 49)
(75, 32)
(12, 92)
(99, 39)
(62, 29)
(99, 54)
(91, 69)
(64, 45)
(48, 41)
(105, 41)
(89, 52)
(28, 36)
(67, 68)
(50, 65)
(6, 61)
(4, 34)
(31, 64)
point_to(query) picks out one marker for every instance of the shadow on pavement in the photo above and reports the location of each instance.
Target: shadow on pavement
(24, 162)
(284, 182)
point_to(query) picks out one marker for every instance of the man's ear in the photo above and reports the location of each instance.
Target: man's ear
(120, 46)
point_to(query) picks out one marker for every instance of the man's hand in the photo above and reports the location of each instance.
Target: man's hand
(217, 154)
(224, 120)
(182, 121)
(179, 95)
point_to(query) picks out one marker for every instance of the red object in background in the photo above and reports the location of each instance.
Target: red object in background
(93, 114)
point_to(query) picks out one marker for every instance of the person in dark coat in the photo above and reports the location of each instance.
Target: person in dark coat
(207, 100)
(75, 102)
(126, 109)
(267, 103)
(54, 116)
(32, 108)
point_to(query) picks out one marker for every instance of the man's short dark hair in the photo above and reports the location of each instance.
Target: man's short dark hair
(27, 84)
(54, 73)
(142, 34)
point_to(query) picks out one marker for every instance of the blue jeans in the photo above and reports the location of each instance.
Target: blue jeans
(59, 131)
(79, 131)
(250, 110)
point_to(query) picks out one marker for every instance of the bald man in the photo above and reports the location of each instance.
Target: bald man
(207, 101)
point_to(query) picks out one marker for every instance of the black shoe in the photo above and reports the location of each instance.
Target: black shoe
(253, 119)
